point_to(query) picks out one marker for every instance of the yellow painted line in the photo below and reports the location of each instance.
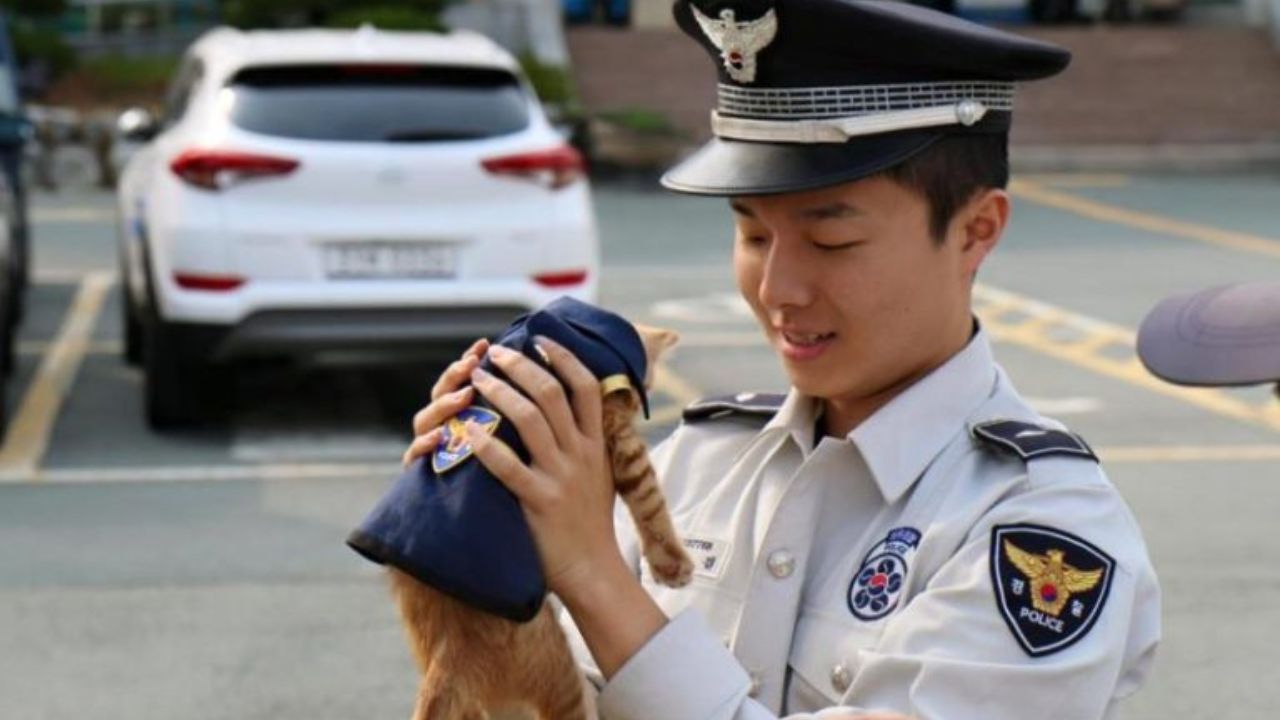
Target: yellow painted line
(1190, 453)
(63, 276)
(72, 214)
(28, 437)
(1078, 180)
(1038, 193)
(205, 473)
(667, 382)
(100, 347)
(1034, 333)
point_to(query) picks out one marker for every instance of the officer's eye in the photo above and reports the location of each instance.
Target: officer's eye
(754, 241)
(839, 246)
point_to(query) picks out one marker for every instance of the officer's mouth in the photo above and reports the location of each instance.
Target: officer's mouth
(799, 346)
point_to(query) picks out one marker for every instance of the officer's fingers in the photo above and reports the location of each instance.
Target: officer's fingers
(543, 388)
(459, 370)
(502, 461)
(441, 409)
(523, 414)
(583, 385)
(422, 445)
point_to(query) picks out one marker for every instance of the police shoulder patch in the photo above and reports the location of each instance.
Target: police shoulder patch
(454, 448)
(1050, 585)
(1030, 441)
(744, 404)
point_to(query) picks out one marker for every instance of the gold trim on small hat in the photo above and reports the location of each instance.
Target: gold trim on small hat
(614, 383)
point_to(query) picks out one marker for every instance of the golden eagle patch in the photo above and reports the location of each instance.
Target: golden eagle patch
(454, 446)
(1050, 585)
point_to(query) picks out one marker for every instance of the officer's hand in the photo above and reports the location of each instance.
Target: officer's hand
(566, 490)
(447, 400)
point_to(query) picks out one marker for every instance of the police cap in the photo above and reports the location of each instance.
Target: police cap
(818, 92)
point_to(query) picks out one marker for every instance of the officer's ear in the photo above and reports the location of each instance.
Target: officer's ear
(980, 224)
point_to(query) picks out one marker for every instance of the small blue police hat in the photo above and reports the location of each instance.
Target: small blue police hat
(452, 525)
(819, 92)
(1228, 335)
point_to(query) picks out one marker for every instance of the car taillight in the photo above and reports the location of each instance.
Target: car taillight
(562, 278)
(555, 168)
(219, 169)
(215, 283)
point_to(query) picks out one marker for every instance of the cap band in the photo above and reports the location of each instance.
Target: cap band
(839, 130)
(840, 102)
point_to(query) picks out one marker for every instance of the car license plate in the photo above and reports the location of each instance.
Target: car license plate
(390, 260)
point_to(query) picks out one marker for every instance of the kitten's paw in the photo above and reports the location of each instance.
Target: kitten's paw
(676, 572)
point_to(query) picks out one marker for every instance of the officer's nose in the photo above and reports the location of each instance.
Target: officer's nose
(786, 280)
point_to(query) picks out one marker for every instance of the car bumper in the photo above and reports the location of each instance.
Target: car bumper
(363, 334)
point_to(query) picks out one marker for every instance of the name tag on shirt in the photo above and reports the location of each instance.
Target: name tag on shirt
(709, 556)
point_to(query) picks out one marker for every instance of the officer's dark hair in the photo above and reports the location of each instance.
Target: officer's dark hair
(951, 171)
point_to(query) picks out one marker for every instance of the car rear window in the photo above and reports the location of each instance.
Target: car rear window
(378, 103)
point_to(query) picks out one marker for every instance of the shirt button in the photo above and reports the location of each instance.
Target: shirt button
(840, 678)
(782, 563)
(756, 682)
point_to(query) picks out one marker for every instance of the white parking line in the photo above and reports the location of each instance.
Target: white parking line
(205, 473)
(28, 437)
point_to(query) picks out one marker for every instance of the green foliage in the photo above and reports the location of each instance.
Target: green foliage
(124, 74)
(553, 83)
(42, 44)
(34, 8)
(387, 17)
(641, 120)
(408, 14)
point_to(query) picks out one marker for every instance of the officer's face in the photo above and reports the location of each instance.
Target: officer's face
(851, 289)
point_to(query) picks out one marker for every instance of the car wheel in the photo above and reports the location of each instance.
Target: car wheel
(131, 323)
(179, 392)
(8, 342)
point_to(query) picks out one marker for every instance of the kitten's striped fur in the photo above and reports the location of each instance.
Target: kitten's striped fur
(474, 664)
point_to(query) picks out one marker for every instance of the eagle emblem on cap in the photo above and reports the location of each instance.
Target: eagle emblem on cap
(1052, 580)
(738, 42)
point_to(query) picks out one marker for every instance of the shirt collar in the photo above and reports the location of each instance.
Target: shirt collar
(900, 439)
(797, 418)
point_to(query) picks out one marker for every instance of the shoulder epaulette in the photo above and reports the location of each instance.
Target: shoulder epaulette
(746, 404)
(1031, 441)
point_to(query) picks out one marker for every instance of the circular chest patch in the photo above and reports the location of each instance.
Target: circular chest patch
(881, 578)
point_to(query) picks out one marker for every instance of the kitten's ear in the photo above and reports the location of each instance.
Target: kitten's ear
(656, 339)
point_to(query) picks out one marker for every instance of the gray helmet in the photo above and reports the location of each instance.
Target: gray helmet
(1227, 335)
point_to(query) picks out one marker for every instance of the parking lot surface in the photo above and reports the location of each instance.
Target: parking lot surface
(203, 575)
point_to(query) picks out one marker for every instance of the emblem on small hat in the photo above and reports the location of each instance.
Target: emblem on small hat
(738, 42)
(455, 446)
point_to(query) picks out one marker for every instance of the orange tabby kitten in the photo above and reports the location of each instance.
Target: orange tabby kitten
(474, 663)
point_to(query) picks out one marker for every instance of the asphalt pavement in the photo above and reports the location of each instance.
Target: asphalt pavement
(203, 575)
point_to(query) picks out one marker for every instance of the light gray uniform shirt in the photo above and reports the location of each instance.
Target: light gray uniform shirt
(909, 566)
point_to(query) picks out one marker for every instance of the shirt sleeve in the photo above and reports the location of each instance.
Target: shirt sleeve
(952, 653)
(685, 673)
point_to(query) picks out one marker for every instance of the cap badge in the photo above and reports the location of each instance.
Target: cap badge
(738, 42)
(455, 446)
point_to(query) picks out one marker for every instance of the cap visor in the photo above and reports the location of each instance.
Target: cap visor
(738, 167)
(1224, 336)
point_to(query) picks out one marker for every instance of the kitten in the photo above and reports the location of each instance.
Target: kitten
(474, 663)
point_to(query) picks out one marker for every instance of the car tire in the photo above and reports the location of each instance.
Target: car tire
(178, 392)
(21, 273)
(8, 343)
(130, 322)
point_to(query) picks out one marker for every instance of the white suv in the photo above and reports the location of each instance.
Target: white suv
(312, 192)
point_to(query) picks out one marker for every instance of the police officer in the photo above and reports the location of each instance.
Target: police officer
(900, 532)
